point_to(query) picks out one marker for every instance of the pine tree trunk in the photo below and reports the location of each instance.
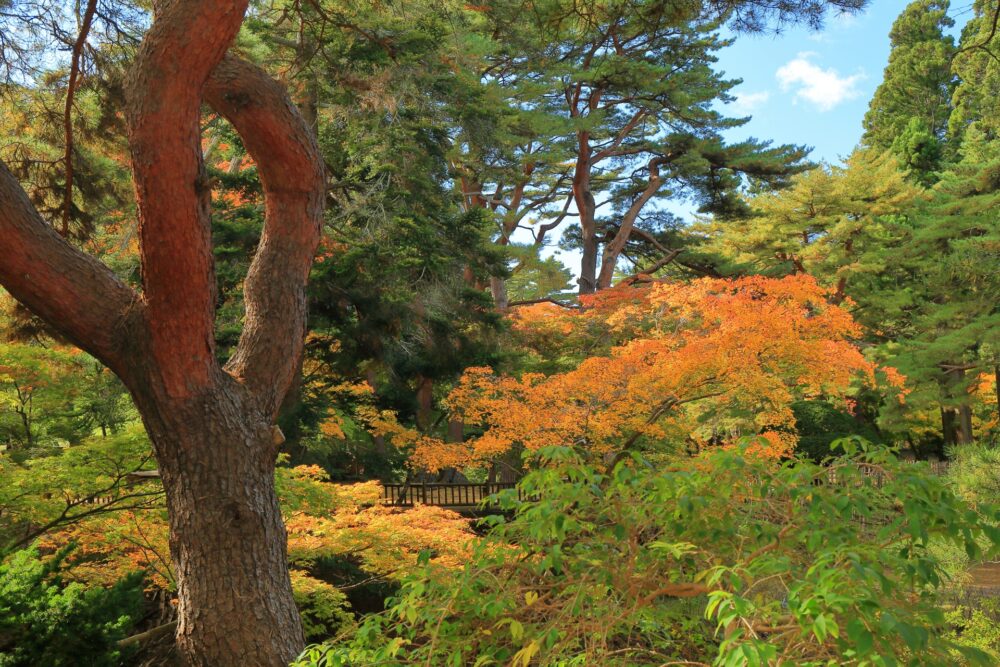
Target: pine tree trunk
(965, 425)
(425, 402)
(588, 263)
(498, 287)
(586, 206)
(948, 430)
(961, 417)
(227, 540)
(588, 227)
(456, 430)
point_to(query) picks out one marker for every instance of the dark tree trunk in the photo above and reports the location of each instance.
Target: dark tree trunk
(425, 402)
(948, 430)
(964, 425)
(456, 430)
(498, 287)
(227, 539)
(958, 429)
(586, 207)
(588, 261)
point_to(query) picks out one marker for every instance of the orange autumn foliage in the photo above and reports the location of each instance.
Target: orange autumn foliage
(323, 520)
(712, 359)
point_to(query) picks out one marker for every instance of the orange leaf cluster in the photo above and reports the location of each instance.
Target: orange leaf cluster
(726, 357)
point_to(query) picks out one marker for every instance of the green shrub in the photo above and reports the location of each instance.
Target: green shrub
(976, 626)
(819, 423)
(46, 621)
(723, 559)
(975, 472)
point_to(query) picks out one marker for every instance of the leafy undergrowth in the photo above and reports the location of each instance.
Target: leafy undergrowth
(727, 559)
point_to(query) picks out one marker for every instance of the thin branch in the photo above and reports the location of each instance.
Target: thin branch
(74, 73)
(530, 302)
(984, 45)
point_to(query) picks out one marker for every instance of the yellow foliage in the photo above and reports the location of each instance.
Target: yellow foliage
(323, 519)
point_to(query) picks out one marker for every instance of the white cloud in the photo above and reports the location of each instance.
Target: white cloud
(745, 103)
(824, 88)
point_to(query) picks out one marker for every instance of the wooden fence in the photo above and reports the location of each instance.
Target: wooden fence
(442, 495)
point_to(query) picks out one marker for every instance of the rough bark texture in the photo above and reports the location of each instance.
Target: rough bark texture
(211, 427)
(948, 430)
(216, 456)
(498, 288)
(163, 109)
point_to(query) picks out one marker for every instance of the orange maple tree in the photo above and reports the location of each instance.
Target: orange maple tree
(706, 361)
(324, 521)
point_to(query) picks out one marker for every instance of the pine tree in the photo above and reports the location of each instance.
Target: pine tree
(977, 67)
(909, 112)
(947, 299)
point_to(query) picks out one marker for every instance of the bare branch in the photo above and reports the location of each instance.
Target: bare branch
(74, 73)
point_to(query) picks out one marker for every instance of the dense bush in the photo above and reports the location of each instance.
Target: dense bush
(724, 559)
(977, 625)
(818, 423)
(44, 620)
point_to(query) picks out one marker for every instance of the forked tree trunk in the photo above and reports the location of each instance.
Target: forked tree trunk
(211, 426)
(227, 539)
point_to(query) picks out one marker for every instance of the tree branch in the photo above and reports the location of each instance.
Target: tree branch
(74, 73)
(75, 293)
(984, 45)
(292, 175)
(187, 40)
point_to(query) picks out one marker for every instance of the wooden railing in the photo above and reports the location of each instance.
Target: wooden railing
(442, 495)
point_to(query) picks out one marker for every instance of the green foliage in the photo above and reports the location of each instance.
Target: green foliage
(819, 423)
(51, 394)
(776, 561)
(914, 98)
(323, 608)
(975, 472)
(975, 64)
(976, 626)
(536, 278)
(46, 621)
(943, 315)
(50, 492)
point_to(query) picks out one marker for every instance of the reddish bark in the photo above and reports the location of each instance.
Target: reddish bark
(613, 250)
(211, 427)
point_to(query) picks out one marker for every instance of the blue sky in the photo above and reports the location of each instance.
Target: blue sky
(813, 88)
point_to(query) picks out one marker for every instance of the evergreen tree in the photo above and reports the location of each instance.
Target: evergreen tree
(836, 223)
(979, 73)
(948, 298)
(909, 112)
(636, 83)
